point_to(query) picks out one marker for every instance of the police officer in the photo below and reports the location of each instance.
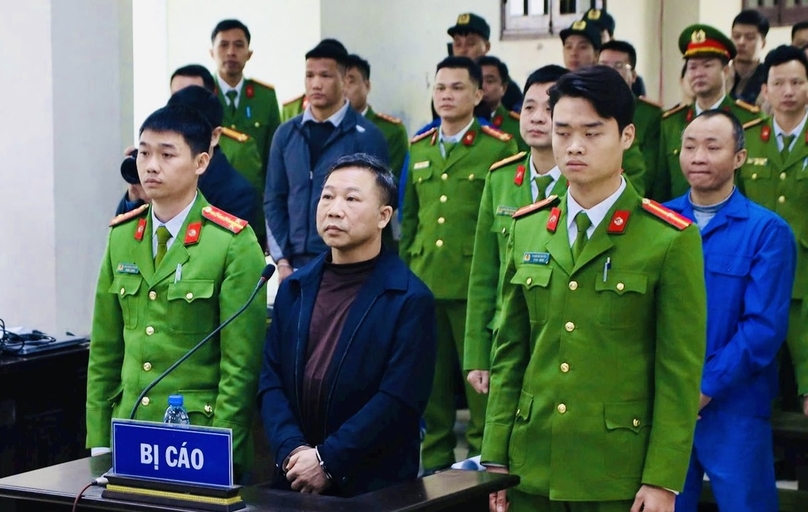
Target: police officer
(582, 41)
(511, 183)
(707, 53)
(250, 106)
(172, 271)
(595, 280)
(775, 175)
(446, 175)
(495, 85)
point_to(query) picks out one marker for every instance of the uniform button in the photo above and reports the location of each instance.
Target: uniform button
(149, 330)
(208, 408)
(441, 220)
(504, 231)
(145, 401)
(782, 176)
(233, 126)
(471, 177)
(444, 176)
(257, 124)
(152, 295)
(754, 175)
(528, 281)
(781, 199)
(443, 199)
(573, 285)
(569, 326)
(146, 366)
(636, 422)
(676, 151)
(565, 367)
(518, 411)
(620, 287)
(562, 408)
(439, 242)
(189, 296)
(123, 290)
(420, 180)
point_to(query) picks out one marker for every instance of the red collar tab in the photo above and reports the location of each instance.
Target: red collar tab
(192, 234)
(766, 133)
(618, 223)
(249, 91)
(552, 221)
(434, 138)
(468, 138)
(689, 116)
(141, 229)
(497, 121)
(519, 177)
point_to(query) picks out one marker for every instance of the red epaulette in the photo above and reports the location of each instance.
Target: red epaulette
(677, 108)
(119, 219)
(538, 205)
(671, 217)
(423, 135)
(224, 219)
(388, 118)
(493, 132)
(234, 134)
(506, 161)
(259, 82)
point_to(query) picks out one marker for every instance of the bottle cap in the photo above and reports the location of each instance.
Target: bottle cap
(175, 400)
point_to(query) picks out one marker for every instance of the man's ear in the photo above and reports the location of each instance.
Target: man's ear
(740, 159)
(215, 136)
(627, 137)
(202, 161)
(385, 214)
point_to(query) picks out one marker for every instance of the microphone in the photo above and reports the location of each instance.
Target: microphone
(265, 275)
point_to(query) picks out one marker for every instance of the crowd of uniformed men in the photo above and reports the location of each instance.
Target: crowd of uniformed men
(495, 152)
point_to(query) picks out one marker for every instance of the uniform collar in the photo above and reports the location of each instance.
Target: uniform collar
(596, 214)
(712, 107)
(174, 225)
(225, 87)
(456, 137)
(796, 131)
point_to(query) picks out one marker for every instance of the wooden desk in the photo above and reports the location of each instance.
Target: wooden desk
(42, 408)
(55, 488)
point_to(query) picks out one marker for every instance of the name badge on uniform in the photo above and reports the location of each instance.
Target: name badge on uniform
(536, 258)
(127, 268)
(506, 211)
(421, 165)
(758, 161)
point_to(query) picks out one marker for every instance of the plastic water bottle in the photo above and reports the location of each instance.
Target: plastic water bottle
(176, 413)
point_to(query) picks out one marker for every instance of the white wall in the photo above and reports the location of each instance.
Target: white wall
(68, 111)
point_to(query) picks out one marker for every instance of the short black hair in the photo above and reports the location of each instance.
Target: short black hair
(603, 88)
(385, 181)
(545, 75)
(782, 54)
(623, 47)
(329, 49)
(502, 68)
(196, 70)
(800, 25)
(753, 17)
(187, 122)
(225, 25)
(737, 127)
(201, 100)
(360, 64)
(466, 63)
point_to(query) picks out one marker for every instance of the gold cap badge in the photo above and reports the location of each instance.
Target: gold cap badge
(579, 25)
(698, 36)
(463, 19)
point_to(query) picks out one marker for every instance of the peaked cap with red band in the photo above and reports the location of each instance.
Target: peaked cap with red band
(704, 41)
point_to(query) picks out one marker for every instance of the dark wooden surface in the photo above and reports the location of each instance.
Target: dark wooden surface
(55, 488)
(42, 408)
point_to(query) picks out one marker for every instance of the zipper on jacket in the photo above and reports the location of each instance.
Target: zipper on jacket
(297, 353)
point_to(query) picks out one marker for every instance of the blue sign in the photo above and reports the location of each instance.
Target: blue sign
(172, 453)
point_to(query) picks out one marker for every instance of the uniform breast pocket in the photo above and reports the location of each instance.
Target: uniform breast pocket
(126, 288)
(502, 225)
(192, 307)
(471, 187)
(621, 298)
(727, 272)
(421, 175)
(535, 282)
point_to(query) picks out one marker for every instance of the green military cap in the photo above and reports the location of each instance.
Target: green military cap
(602, 18)
(589, 30)
(705, 41)
(470, 22)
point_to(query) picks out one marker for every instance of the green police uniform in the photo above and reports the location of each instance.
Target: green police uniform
(507, 188)
(508, 122)
(647, 120)
(293, 108)
(257, 115)
(398, 143)
(596, 372)
(669, 182)
(439, 217)
(782, 186)
(145, 318)
(242, 153)
(634, 167)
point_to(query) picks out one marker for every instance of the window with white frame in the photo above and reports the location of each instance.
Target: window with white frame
(523, 19)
